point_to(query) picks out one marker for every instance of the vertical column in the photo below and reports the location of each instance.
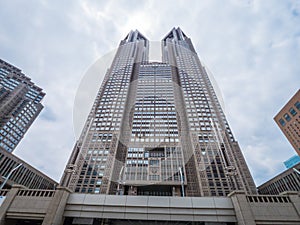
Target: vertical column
(54, 215)
(295, 199)
(242, 208)
(8, 201)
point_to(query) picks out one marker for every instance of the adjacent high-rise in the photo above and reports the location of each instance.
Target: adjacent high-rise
(288, 120)
(20, 104)
(157, 128)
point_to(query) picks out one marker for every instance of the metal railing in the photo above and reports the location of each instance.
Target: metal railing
(267, 199)
(36, 193)
(3, 192)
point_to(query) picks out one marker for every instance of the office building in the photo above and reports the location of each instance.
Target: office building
(288, 120)
(20, 104)
(157, 128)
(289, 180)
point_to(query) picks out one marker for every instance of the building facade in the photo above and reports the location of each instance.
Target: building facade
(289, 180)
(20, 104)
(157, 128)
(288, 120)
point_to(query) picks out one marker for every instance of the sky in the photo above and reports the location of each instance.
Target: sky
(251, 47)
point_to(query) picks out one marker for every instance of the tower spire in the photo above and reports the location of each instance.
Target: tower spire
(134, 36)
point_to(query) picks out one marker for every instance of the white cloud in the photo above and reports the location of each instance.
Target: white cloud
(252, 48)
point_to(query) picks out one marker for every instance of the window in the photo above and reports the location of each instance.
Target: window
(281, 121)
(293, 111)
(99, 182)
(287, 117)
(297, 104)
(154, 162)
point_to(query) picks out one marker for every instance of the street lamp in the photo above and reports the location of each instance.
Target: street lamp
(182, 181)
(120, 181)
(297, 171)
(10, 173)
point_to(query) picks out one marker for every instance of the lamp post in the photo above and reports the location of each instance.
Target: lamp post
(297, 171)
(182, 181)
(10, 173)
(120, 181)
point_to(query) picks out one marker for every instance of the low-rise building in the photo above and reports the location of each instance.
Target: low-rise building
(289, 180)
(25, 174)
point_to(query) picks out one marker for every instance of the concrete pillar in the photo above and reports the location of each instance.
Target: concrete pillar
(242, 208)
(54, 215)
(8, 200)
(295, 199)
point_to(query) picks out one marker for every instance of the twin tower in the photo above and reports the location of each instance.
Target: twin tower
(157, 128)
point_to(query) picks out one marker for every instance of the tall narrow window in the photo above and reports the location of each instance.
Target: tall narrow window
(297, 104)
(293, 111)
(287, 117)
(282, 123)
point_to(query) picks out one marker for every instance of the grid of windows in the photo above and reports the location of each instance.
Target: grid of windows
(99, 141)
(199, 113)
(162, 126)
(288, 120)
(154, 123)
(154, 117)
(19, 105)
(160, 164)
(217, 154)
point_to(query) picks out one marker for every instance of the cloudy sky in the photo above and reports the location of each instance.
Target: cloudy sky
(251, 47)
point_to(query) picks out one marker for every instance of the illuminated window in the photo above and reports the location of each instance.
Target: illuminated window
(287, 117)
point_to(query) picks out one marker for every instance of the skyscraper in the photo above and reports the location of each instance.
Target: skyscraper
(19, 105)
(157, 128)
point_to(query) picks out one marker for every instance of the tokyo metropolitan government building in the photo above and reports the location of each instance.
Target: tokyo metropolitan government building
(157, 128)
